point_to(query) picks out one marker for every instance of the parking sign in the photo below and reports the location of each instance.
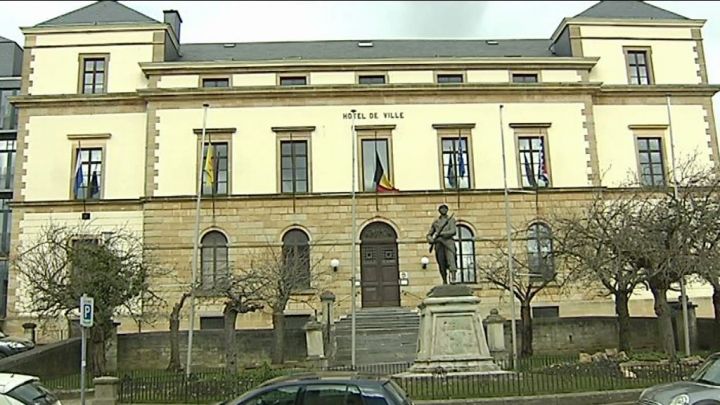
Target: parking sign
(87, 309)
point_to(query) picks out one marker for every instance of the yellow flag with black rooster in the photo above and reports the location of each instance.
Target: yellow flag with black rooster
(209, 168)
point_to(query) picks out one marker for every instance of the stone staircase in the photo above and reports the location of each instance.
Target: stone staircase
(384, 335)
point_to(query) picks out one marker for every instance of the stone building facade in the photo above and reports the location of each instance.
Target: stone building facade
(10, 71)
(118, 92)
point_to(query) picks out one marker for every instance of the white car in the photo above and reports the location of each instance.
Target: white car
(19, 389)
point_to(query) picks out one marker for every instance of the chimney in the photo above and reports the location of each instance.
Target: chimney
(172, 17)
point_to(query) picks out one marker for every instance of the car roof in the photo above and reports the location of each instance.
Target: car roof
(326, 377)
(10, 381)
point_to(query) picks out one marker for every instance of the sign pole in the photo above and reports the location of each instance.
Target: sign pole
(87, 316)
(83, 357)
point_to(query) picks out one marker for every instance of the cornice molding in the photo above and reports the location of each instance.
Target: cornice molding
(202, 95)
(198, 131)
(280, 66)
(309, 128)
(82, 28)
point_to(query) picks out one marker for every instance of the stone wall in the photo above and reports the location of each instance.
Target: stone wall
(152, 350)
(707, 336)
(592, 333)
(54, 360)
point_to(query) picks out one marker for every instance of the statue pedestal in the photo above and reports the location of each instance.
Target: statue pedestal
(451, 337)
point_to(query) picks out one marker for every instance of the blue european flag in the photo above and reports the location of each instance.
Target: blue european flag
(79, 181)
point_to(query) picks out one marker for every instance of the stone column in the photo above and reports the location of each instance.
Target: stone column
(111, 351)
(314, 342)
(495, 324)
(327, 319)
(106, 390)
(73, 326)
(29, 331)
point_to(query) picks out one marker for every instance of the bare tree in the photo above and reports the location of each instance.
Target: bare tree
(535, 272)
(242, 295)
(652, 236)
(594, 243)
(175, 364)
(62, 263)
(285, 271)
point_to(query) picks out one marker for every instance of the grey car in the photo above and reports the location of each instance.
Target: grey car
(703, 387)
(325, 389)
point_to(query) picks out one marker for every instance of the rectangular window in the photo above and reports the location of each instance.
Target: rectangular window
(450, 78)
(5, 225)
(87, 175)
(546, 312)
(638, 66)
(294, 166)
(212, 322)
(532, 156)
(7, 163)
(215, 82)
(93, 75)
(215, 174)
(376, 162)
(650, 157)
(456, 164)
(524, 78)
(8, 113)
(371, 79)
(293, 81)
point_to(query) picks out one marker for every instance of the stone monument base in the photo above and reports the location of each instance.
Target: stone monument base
(451, 338)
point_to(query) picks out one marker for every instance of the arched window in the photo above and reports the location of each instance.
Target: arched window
(214, 259)
(540, 251)
(465, 257)
(296, 255)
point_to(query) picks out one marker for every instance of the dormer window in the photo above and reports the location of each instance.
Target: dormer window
(293, 80)
(216, 82)
(371, 79)
(447, 78)
(524, 78)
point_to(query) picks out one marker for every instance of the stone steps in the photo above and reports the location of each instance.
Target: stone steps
(384, 335)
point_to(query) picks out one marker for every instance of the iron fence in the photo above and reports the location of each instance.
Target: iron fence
(537, 379)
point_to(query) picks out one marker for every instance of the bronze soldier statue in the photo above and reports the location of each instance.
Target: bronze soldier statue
(441, 238)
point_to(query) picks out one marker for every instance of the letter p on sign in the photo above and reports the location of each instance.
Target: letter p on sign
(87, 309)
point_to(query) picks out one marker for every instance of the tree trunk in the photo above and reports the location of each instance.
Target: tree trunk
(623, 319)
(278, 353)
(230, 316)
(665, 329)
(526, 332)
(716, 307)
(175, 364)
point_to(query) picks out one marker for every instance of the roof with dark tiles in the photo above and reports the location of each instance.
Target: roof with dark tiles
(629, 10)
(101, 12)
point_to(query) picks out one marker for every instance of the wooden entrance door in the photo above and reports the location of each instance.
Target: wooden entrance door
(380, 285)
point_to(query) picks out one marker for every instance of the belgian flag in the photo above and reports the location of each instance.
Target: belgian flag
(382, 183)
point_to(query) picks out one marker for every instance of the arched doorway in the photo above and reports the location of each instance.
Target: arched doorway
(379, 266)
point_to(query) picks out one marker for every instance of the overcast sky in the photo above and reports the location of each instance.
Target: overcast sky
(248, 21)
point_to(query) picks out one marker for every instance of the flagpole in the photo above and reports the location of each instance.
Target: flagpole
(511, 272)
(457, 177)
(213, 184)
(196, 237)
(352, 248)
(378, 183)
(683, 293)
